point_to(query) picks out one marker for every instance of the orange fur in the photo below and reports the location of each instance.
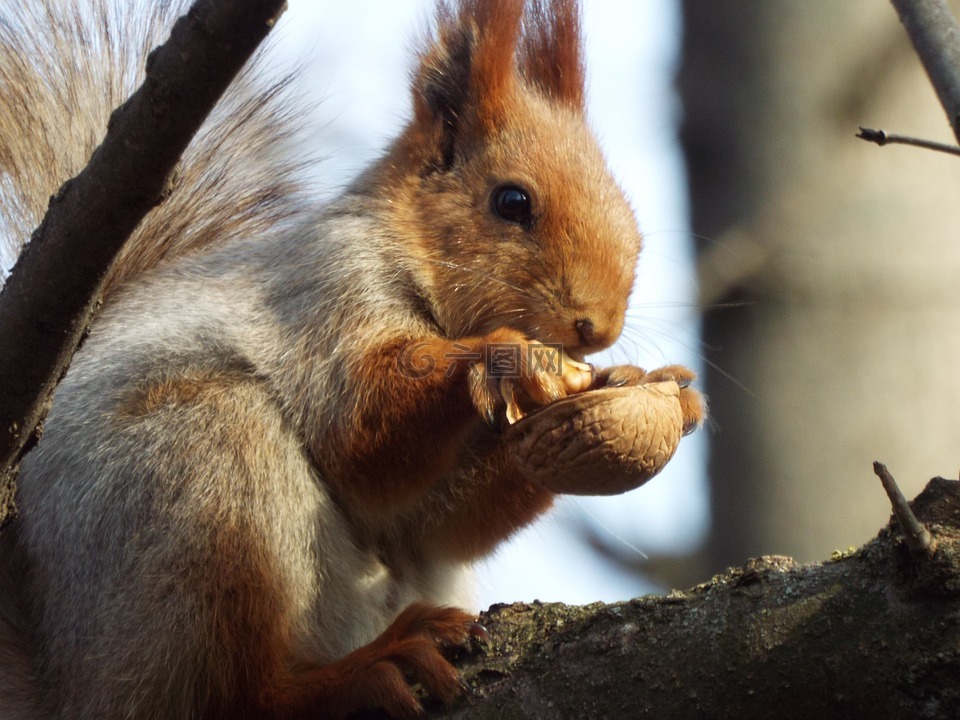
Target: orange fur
(408, 426)
(416, 401)
(376, 675)
(551, 54)
(469, 520)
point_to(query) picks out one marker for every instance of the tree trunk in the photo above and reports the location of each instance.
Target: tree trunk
(841, 258)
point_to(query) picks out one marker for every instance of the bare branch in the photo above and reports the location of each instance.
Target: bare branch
(49, 298)
(917, 536)
(936, 37)
(881, 138)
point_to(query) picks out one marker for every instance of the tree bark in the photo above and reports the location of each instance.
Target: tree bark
(873, 633)
(49, 299)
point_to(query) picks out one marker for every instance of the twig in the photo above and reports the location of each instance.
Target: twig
(918, 538)
(936, 37)
(881, 138)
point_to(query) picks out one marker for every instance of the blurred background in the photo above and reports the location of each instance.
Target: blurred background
(806, 275)
(826, 269)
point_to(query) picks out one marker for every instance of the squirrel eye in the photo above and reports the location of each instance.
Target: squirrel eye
(512, 203)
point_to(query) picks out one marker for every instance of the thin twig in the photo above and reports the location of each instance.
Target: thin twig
(918, 538)
(935, 35)
(881, 138)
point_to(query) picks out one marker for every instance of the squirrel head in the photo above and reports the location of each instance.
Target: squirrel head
(498, 185)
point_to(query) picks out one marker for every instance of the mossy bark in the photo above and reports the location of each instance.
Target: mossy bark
(874, 633)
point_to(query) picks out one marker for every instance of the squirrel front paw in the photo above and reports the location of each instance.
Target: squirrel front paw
(516, 375)
(693, 405)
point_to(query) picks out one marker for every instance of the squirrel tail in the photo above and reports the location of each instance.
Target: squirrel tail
(66, 64)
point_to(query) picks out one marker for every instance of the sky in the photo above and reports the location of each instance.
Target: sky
(358, 56)
(360, 63)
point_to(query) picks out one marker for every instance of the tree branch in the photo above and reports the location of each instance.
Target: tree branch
(50, 296)
(918, 538)
(872, 634)
(936, 37)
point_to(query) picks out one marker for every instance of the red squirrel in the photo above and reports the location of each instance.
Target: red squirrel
(270, 465)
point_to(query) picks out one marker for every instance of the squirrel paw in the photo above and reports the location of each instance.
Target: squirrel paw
(378, 675)
(692, 403)
(517, 375)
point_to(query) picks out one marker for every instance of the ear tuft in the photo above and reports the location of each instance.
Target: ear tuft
(468, 74)
(551, 53)
(442, 84)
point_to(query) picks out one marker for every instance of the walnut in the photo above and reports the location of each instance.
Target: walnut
(605, 441)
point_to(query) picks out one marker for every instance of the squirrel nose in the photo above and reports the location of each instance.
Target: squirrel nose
(586, 331)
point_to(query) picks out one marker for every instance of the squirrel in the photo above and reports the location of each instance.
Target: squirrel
(270, 465)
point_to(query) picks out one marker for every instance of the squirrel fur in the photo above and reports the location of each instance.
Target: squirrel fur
(248, 500)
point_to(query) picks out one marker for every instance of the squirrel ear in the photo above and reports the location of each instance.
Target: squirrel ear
(466, 75)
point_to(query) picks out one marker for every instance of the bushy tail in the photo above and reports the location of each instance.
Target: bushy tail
(66, 64)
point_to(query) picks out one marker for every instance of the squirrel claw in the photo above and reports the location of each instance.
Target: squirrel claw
(490, 417)
(479, 632)
(514, 413)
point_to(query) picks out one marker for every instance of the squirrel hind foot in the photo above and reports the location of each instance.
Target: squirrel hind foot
(378, 676)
